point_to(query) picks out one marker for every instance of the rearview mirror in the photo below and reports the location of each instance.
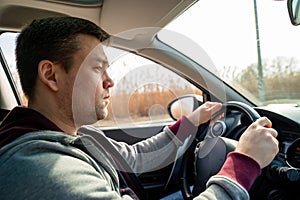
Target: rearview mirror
(184, 105)
(294, 11)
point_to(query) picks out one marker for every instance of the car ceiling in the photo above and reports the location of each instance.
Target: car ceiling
(114, 16)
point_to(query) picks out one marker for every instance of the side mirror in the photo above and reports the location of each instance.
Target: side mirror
(184, 105)
(294, 11)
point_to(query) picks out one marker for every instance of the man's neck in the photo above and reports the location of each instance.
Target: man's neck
(56, 116)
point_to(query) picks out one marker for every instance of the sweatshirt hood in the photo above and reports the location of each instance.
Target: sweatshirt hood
(21, 120)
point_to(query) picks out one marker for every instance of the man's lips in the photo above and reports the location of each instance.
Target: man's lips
(107, 97)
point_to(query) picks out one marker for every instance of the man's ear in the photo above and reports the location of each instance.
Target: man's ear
(46, 73)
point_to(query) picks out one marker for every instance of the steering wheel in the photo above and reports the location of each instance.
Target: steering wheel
(210, 154)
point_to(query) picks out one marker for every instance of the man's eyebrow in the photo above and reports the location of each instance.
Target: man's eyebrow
(102, 60)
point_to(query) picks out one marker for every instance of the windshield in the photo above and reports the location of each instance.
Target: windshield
(260, 60)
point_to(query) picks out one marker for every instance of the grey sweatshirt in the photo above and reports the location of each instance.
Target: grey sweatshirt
(54, 165)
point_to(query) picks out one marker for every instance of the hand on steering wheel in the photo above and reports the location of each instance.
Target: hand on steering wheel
(211, 153)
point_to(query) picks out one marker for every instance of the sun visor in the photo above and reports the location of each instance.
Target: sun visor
(14, 14)
(123, 16)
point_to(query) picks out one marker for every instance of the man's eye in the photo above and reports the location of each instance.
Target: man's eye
(98, 68)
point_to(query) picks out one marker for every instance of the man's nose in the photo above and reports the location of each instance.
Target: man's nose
(108, 83)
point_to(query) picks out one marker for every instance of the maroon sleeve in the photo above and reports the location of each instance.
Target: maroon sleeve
(240, 168)
(174, 128)
(183, 128)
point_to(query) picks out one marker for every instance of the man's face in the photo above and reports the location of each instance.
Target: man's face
(90, 96)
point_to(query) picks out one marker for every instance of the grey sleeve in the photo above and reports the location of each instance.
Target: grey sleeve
(221, 187)
(151, 154)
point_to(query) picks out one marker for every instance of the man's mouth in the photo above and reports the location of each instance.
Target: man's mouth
(107, 97)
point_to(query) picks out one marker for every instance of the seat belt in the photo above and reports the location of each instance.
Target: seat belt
(126, 178)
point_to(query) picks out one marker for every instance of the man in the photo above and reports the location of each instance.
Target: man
(47, 152)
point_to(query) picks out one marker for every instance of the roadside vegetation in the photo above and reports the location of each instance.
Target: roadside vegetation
(281, 79)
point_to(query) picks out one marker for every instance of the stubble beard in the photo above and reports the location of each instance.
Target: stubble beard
(101, 112)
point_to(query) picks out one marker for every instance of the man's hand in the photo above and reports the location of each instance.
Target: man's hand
(259, 142)
(204, 113)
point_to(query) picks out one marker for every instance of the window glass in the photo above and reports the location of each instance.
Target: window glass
(260, 60)
(7, 44)
(142, 91)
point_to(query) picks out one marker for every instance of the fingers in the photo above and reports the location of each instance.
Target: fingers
(273, 132)
(204, 113)
(275, 141)
(216, 107)
(213, 107)
(215, 119)
(259, 142)
(264, 121)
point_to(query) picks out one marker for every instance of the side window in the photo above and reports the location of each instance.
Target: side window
(142, 91)
(7, 44)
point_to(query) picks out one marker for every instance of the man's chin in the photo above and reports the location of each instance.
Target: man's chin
(101, 114)
(89, 119)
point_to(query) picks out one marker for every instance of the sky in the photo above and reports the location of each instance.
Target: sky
(225, 29)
